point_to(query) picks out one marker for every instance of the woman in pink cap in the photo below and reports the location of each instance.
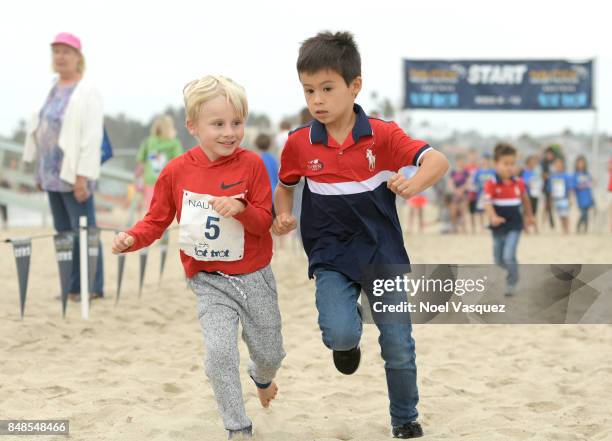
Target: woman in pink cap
(64, 139)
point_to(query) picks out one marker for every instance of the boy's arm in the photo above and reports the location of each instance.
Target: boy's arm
(433, 167)
(492, 215)
(289, 175)
(407, 151)
(283, 200)
(284, 222)
(257, 214)
(289, 171)
(160, 215)
(489, 210)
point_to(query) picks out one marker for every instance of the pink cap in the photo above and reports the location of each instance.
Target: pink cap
(67, 39)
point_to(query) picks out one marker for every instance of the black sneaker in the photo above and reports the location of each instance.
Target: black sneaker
(247, 432)
(409, 430)
(347, 362)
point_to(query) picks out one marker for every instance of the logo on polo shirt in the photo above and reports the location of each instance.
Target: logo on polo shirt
(371, 159)
(315, 165)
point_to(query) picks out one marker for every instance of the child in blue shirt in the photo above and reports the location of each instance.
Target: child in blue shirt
(561, 185)
(583, 189)
(534, 183)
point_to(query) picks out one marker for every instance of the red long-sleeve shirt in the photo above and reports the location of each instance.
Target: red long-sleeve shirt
(241, 173)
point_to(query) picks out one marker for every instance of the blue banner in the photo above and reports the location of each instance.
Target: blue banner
(498, 84)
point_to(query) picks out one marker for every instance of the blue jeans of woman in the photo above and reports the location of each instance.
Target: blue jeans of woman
(66, 211)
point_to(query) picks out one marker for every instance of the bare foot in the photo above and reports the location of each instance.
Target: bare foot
(268, 394)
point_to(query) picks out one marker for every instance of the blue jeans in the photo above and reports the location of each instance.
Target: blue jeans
(341, 327)
(504, 252)
(66, 211)
(583, 222)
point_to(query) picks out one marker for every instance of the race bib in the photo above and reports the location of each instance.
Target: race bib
(558, 188)
(535, 187)
(206, 235)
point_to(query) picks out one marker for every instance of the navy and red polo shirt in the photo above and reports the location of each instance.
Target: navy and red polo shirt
(506, 197)
(349, 219)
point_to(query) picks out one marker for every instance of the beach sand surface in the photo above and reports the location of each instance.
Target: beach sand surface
(134, 370)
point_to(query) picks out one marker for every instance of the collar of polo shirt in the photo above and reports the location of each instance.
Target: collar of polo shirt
(362, 127)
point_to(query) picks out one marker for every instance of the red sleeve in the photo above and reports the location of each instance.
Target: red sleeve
(160, 215)
(257, 215)
(489, 190)
(289, 173)
(404, 149)
(521, 185)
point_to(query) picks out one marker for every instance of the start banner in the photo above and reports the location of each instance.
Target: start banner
(498, 84)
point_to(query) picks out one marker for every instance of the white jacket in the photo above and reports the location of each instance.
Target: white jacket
(80, 136)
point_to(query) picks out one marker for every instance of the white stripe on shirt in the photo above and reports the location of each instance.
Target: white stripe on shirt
(506, 202)
(343, 188)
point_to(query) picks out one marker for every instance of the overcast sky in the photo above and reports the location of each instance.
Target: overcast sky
(142, 53)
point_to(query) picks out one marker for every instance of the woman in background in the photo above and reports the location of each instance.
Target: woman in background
(64, 139)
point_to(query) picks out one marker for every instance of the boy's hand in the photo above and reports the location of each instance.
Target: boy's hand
(122, 242)
(496, 220)
(283, 224)
(227, 207)
(401, 186)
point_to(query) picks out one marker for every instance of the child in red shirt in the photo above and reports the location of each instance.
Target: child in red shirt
(505, 198)
(221, 196)
(349, 220)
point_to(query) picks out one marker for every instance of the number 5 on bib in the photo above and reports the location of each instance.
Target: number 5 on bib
(207, 236)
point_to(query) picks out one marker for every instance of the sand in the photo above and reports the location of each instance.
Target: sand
(134, 371)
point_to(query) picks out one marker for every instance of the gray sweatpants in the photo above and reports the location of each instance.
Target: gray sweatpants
(223, 300)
